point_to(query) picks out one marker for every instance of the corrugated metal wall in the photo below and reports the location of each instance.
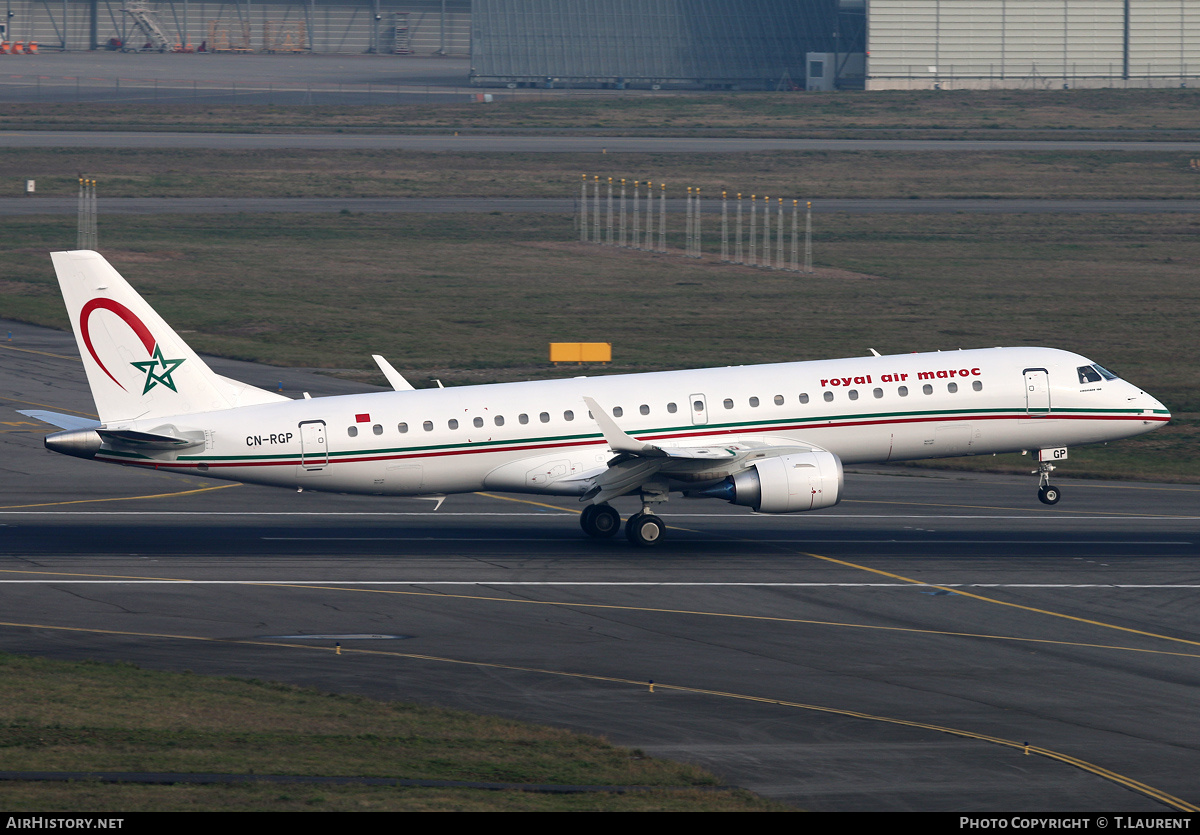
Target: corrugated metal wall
(1010, 43)
(751, 42)
(329, 25)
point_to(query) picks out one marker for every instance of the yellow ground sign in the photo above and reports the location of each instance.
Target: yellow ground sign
(580, 352)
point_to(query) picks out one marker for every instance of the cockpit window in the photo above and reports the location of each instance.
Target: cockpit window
(1087, 374)
(1108, 375)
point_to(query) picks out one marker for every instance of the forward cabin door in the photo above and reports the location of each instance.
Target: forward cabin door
(1037, 392)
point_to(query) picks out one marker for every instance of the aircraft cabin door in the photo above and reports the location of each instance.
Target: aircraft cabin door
(1037, 391)
(314, 451)
(698, 406)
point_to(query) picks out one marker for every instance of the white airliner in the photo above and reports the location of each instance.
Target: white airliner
(771, 437)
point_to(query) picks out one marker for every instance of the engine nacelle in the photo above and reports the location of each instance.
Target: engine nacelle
(785, 484)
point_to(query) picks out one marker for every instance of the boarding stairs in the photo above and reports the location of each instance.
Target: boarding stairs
(147, 21)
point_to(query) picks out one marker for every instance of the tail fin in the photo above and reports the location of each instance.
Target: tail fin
(137, 366)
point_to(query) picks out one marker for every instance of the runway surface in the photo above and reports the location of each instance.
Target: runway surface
(892, 653)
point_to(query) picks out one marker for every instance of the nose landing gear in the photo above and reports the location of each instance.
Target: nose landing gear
(1048, 494)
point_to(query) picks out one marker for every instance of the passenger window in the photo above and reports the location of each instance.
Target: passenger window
(804, 398)
(754, 402)
(377, 429)
(352, 431)
(727, 403)
(878, 393)
(978, 386)
(522, 419)
(618, 411)
(927, 389)
(452, 423)
(829, 397)
(478, 422)
(902, 391)
(779, 400)
(644, 409)
(952, 387)
(544, 417)
(402, 428)
(853, 394)
(568, 415)
(499, 420)
(427, 426)
(672, 408)
(698, 405)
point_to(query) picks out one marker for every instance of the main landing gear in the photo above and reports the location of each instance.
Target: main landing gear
(602, 521)
(645, 529)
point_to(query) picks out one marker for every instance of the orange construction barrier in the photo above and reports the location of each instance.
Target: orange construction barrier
(5, 47)
(32, 48)
(18, 48)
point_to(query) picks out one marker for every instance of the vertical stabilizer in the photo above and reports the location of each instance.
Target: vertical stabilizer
(137, 366)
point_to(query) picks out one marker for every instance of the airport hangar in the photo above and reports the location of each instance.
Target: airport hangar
(721, 44)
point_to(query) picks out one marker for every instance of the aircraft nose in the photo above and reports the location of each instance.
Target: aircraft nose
(1152, 405)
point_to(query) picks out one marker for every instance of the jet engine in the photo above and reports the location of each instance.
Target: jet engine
(783, 484)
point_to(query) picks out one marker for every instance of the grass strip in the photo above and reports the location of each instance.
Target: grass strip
(92, 717)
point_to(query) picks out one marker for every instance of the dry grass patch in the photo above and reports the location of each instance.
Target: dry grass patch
(60, 716)
(811, 175)
(745, 113)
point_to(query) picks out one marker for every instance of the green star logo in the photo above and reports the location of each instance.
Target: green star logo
(164, 376)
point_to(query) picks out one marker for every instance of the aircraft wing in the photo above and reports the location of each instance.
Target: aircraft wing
(638, 462)
(619, 442)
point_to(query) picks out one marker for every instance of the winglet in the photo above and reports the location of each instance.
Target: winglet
(618, 440)
(395, 378)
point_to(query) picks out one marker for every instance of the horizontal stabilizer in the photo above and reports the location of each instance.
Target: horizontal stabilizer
(60, 420)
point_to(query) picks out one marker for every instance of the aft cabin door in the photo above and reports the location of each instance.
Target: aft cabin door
(314, 451)
(1037, 391)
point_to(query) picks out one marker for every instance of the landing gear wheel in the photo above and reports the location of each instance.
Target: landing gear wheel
(645, 529)
(600, 520)
(1049, 494)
